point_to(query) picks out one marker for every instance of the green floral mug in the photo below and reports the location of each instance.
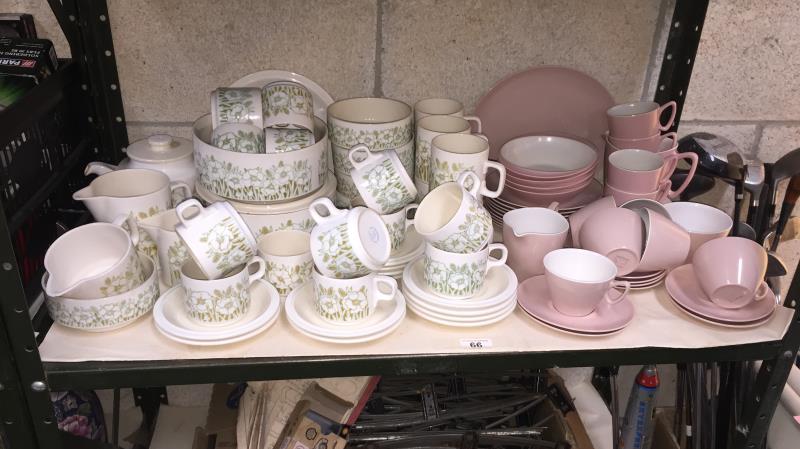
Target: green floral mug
(285, 140)
(236, 105)
(287, 104)
(381, 179)
(459, 275)
(288, 256)
(223, 300)
(239, 137)
(346, 301)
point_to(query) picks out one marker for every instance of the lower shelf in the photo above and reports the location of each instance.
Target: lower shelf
(138, 355)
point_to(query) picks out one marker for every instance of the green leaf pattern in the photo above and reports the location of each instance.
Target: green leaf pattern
(265, 183)
(336, 253)
(293, 139)
(286, 277)
(376, 140)
(178, 253)
(106, 315)
(300, 225)
(342, 304)
(235, 105)
(241, 141)
(226, 245)
(287, 99)
(124, 282)
(422, 168)
(454, 279)
(471, 235)
(443, 172)
(384, 185)
(218, 305)
(397, 233)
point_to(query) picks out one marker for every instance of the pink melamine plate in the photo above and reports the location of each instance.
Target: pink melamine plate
(684, 289)
(592, 192)
(544, 100)
(742, 325)
(534, 297)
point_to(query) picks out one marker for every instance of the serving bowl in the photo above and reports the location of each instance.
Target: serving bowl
(265, 218)
(548, 156)
(259, 178)
(112, 312)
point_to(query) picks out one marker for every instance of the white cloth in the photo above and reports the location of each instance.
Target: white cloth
(657, 323)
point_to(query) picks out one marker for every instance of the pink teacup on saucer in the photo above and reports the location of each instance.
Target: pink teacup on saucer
(579, 280)
(731, 271)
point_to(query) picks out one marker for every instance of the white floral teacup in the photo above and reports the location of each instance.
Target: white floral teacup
(346, 301)
(217, 237)
(347, 243)
(239, 137)
(459, 275)
(381, 179)
(236, 105)
(288, 256)
(432, 126)
(452, 219)
(397, 224)
(219, 301)
(285, 140)
(287, 105)
(452, 154)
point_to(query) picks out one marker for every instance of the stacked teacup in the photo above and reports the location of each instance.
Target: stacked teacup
(99, 287)
(347, 247)
(378, 124)
(277, 118)
(639, 160)
(457, 231)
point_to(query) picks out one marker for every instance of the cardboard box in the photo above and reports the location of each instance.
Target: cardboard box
(314, 423)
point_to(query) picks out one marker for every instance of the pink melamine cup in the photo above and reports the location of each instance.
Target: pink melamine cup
(623, 196)
(666, 243)
(617, 234)
(639, 119)
(577, 219)
(731, 271)
(654, 144)
(578, 280)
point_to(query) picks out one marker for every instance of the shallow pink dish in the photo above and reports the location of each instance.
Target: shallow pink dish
(683, 287)
(533, 296)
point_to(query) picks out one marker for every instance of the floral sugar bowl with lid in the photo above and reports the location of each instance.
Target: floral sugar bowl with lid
(168, 154)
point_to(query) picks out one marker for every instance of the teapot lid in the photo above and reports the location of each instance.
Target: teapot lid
(160, 148)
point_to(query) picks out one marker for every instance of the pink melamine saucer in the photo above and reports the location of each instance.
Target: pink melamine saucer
(742, 325)
(684, 289)
(534, 297)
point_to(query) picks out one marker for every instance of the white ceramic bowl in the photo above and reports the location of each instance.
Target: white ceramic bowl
(265, 218)
(113, 312)
(260, 178)
(544, 155)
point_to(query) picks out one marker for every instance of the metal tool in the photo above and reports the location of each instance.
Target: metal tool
(744, 230)
(735, 172)
(786, 166)
(755, 175)
(699, 184)
(711, 150)
(789, 201)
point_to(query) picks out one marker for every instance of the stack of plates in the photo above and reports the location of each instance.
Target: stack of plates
(534, 298)
(301, 314)
(686, 293)
(644, 280)
(413, 246)
(172, 319)
(497, 207)
(495, 301)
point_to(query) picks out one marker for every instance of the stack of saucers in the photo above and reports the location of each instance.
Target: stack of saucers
(495, 300)
(724, 285)
(411, 248)
(644, 280)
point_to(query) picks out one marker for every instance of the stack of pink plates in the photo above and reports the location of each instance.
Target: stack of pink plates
(644, 280)
(543, 169)
(497, 207)
(689, 297)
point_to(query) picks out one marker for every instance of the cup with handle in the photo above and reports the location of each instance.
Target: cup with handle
(731, 271)
(223, 300)
(348, 301)
(460, 275)
(617, 234)
(639, 119)
(381, 179)
(428, 128)
(452, 154)
(287, 254)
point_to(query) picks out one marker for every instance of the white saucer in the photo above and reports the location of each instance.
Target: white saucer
(450, 321)
(500, 284)
(172, 320)
(300, 312)
(455, 313)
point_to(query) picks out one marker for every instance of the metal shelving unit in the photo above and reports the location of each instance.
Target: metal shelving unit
(88, 86)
